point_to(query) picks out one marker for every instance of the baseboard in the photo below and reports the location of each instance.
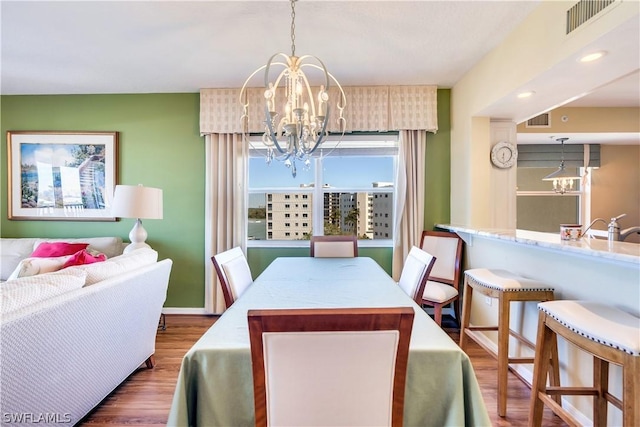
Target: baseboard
(185, 310)
(527, 375)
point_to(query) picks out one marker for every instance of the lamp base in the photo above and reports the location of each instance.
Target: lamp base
(133, 246)
(137, 236)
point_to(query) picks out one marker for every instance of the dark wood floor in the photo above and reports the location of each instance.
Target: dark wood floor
(145, 397)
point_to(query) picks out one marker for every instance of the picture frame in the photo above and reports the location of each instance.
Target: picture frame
(61, 176)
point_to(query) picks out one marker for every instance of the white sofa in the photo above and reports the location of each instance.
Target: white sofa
(62, 355)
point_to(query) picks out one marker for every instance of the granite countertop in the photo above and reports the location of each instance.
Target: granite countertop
(602, 248)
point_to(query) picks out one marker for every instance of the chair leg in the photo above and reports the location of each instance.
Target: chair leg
(466, 314)
(503, 353)
(456, 312)
(437, 314)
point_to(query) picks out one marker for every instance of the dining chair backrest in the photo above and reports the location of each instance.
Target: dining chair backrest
(331, 366)
(334, 246)
(415, 272)
(233, 272)
(443, 284)
(447, 248)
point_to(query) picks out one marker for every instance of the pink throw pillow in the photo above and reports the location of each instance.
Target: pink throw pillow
(56, 249)
(83, 257)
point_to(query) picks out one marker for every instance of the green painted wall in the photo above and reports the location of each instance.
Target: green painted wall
(438, 166)
(160, 146)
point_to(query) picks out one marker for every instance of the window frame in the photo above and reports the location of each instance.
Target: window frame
(317, 216)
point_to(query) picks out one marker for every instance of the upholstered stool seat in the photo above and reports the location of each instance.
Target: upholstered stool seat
(506, 287)
(611, 336)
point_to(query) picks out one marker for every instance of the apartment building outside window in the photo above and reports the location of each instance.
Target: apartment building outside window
(342, 191)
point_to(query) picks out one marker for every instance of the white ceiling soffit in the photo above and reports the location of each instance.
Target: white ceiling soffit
(571, 83)
(623, 92)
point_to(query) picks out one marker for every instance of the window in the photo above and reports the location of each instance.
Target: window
(539, 208)
(342, 191)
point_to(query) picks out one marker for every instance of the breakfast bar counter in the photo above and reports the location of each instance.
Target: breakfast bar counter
(587, 246)
(585, 269)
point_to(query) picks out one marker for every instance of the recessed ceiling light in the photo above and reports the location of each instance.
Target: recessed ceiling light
(592, 56)
(525, 94)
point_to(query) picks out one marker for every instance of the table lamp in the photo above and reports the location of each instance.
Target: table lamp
(136, 201)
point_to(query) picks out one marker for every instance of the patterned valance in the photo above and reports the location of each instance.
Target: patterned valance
(369, 108)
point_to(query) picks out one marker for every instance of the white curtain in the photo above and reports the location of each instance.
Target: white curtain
(226, 198)
(409, 216)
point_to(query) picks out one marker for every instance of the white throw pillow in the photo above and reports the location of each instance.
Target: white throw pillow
(12, 251)
(25, 291)
(33, 266)
(100, 271)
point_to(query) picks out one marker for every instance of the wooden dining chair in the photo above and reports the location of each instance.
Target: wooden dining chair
(442, 288)
(415, 272)
(233, 272)
(334, 246)
(330, 367)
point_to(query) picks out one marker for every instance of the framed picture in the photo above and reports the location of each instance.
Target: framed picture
(61, 176)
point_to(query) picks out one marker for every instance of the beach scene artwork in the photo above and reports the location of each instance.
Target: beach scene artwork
(62, 176)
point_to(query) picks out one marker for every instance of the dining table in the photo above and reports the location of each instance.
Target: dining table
(215, 383)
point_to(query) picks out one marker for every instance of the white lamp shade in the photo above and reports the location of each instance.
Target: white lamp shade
(136, 201)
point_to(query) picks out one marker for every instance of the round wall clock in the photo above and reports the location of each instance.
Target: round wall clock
(504, 154)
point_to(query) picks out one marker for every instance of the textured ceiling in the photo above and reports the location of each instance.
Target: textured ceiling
(89, 47)
(180, 46)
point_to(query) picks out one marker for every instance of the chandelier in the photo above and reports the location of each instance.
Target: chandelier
(562, 179)
(296, 113)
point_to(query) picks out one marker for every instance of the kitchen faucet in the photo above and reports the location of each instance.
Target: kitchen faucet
(614, 233)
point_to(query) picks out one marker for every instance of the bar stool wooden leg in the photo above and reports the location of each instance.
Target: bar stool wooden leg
(466, 314)
(601, 384)
(631, 391)
(503, 352)
(554, 368)
(544, 341)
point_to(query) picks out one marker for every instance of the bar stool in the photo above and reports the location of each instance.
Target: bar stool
(611, 336)
(506, 287)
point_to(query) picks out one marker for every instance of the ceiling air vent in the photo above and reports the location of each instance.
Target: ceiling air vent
(584, 10)
(541, 121)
